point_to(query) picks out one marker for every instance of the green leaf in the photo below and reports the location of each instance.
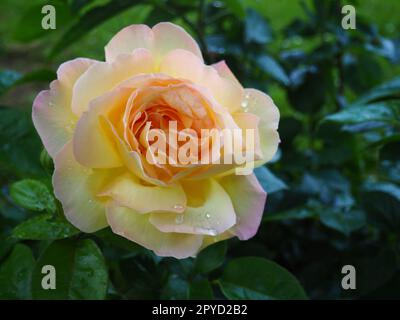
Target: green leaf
(256, 28)
(44, 227)
(81, 272)
(272, 68)
(298, 213)
(210, 258)
(88, 21)
(259, 279)
(115, 241)
(175, 288)
(40, 75)
(344, 222)
(33, 195)
(200, 290)
(381, 201)
(15, 273)
(373, 113)
(6, 243)
(269, 181)
(19, 143)
(237, 7)
(8, 78)
(385, 91)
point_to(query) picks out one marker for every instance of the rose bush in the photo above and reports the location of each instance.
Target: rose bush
(95, 120)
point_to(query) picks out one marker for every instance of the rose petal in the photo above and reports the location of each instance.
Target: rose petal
(213, 215)
(136, 227)
(248, 199)
(262, 105)
(103, 76)
(184, 64)
(94, 143)
(163, 38)
(76, 187)
(225, 72)
(128, 191)
(51, 114)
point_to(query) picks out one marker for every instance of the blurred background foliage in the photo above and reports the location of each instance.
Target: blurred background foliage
(333, 188)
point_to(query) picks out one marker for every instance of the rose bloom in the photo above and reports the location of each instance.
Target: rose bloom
(94, 122)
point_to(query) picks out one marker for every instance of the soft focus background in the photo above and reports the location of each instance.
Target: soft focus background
(333, 188)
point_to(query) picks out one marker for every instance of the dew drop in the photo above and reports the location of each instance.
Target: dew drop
(178, 207)
(208, 215)
(179, 218)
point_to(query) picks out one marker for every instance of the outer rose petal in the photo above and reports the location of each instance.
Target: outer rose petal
(128, 191)
(209, 240)
(248, 199)
(102, 77)
(251, 121)
(136, 227)
(76, 187)
(212, 217)
(262, 105)
(163, 38)
(94, 143)
(52, 115)
(225, 72)
(184, 64)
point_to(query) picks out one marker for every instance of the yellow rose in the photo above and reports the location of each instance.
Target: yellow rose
(96, 121)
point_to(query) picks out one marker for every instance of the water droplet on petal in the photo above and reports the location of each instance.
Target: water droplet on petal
(179, 218)
(178, 207)
(208, 215)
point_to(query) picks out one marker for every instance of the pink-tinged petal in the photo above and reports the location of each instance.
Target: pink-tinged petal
(184, 64)
(51, 114)
(103, 76)
(169, 36)
(128, 39)
(136, 227)
(225, 72)
(209, 211)
(94, 143)
(128, 191)
(248, 199)
(76, 188)
(249, 121)
(163, 38)
(262, 105)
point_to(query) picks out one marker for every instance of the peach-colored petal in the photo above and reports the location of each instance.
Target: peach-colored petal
(163, 38)
(94, 144)
(248, 199)
(225, 72)
(209, 240)
(260, 104)
(213, 215)
(128, 191)
(76, 188)
(103, 76)
(184, 64)
(136, 227)
(51, 114)
(249, 121)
